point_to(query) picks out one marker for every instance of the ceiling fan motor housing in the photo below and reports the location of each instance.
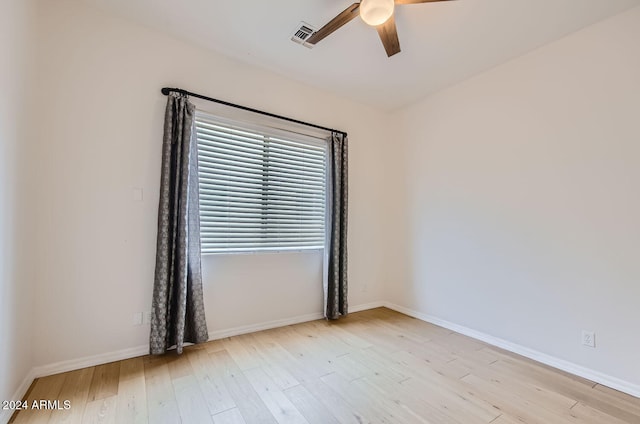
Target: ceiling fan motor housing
(376, 12)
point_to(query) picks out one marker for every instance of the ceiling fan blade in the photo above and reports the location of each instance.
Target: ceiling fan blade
(417, 1)
(344, 17)
(389, 36)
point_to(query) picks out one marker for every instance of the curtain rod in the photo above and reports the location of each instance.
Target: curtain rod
(167, 90)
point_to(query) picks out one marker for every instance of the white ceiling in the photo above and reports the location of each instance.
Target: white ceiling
(442, 43)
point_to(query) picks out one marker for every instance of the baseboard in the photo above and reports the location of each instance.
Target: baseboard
(252, 328)
(89, 361)
(366, 306)
(5, 414)
(561, 364)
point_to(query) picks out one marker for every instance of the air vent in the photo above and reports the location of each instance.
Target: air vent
(302, 33)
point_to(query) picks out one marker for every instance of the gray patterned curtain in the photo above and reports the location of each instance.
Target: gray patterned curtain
(177, 311)
(336, 282)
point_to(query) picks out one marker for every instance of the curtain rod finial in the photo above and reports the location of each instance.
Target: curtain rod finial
(166, 91)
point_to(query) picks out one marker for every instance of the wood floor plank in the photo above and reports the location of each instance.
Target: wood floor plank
(248, 402)
(320, 334)
(132, 368)
(394, 401)
(243, 354)
(177, 365)
(514, 404)
(230, 416)
(416, 401)
(343, 411)
(381, 340)
(303, 351)
(375, 366)
(213, 346)
(101, 411)
(350, 368)
(374, 408)
(44, 389)
(537, 367)
(280, 406)
(161, 400)
(310, 407)
(105, 381)
(621, 400)
(378, 361)
(132, 393)
(466, 406)
(349, 337)
(274, 353)
(438, 390)
(423, 377)
(506, 419)
(513, 382)
(191, 403)
(276, 371)
(586, 414)
(211, 383)
(76, 390)
(421, 363)
(568, 386)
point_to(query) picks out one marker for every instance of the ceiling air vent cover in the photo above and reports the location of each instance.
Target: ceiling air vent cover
(302, 33)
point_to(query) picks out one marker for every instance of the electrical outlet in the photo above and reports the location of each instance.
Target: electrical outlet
(588, 338)
(137, 318)
(147, 318)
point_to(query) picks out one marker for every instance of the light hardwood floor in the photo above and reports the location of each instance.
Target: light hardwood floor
(376, 366)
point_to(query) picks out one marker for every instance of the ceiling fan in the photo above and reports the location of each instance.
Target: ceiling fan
(376, 13)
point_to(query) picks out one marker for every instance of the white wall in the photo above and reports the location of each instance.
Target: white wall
(523, 200)
(100, 121)
(16, 51)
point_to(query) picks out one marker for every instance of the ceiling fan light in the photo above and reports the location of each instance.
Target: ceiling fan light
(376, 12)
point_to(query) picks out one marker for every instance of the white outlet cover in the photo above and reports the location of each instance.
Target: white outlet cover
(588, 338)
(137, 318)
(137, 194)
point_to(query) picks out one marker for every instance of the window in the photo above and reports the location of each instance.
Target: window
(261, 188)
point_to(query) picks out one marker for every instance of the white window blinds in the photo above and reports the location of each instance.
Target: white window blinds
(260, 188)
